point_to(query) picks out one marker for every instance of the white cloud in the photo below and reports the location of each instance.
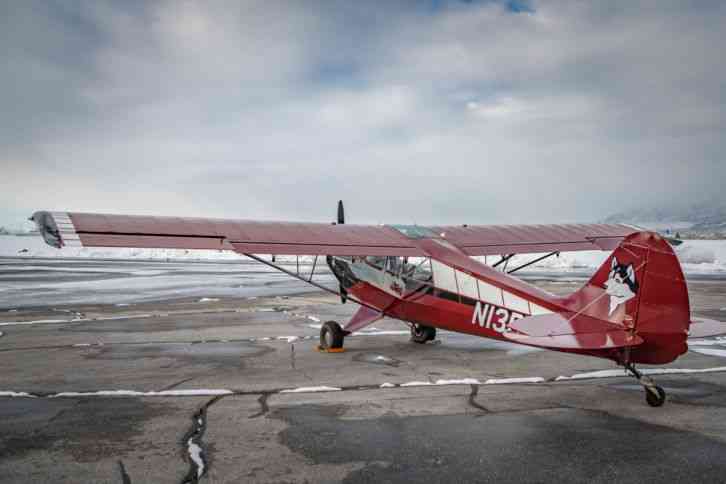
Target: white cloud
(276, 110)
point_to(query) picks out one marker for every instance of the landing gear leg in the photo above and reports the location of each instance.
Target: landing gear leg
(332, 337)
(654, 395)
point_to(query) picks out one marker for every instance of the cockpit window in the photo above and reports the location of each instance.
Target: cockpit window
(422, 271)
(394, 264)
(376, 261)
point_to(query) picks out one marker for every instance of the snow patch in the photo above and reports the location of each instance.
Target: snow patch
(650, 371)
(710, 352)
(504, 381)
(40, 321)
(313, 318)
(594, 374)
(134, 393)
(696, 257)
(311, 389)
(464, 381)
(719, 341)
(387, 385)
(208, 299)
(289, 339)
(416, 384)
(76, 320)
(695, 254)
(17, 395)
(195, 453)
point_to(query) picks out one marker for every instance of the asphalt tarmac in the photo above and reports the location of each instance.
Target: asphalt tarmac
(233, 390)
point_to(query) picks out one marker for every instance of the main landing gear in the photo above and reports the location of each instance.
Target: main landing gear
(654, 395)
(332, 337)
(422, 334)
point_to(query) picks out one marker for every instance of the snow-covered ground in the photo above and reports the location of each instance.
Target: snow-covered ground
(45, 276)
(29, 246)
(696, 256)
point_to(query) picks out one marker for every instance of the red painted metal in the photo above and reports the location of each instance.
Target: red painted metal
(154, 241)
(292, 238)
(362, 318)
(519, 239)
(252, 237)
(653, 324)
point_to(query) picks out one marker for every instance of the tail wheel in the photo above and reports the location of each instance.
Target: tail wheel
(421, 334)
(655, 396)
(331, 336)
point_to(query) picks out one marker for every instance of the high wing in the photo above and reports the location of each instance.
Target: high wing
(524, 239)
(64, 229)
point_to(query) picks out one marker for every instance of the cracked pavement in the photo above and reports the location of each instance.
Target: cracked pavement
(597, 430)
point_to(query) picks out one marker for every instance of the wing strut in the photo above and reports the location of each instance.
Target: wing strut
(539, 259)
(297, 275)
(505, 258)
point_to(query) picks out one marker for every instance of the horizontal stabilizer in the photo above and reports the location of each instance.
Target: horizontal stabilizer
(703, 328)
(581, 332)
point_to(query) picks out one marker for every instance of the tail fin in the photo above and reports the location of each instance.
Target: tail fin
(641, 287)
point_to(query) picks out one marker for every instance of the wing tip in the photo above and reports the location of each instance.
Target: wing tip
(57, 229)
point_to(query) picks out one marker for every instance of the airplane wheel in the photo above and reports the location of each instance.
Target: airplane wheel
(331, 336)
(653, 399)
(421, 334)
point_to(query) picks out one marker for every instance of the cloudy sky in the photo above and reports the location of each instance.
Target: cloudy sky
(411, 111)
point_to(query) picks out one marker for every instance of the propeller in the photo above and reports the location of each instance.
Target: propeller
(341, 213)
(341, 221)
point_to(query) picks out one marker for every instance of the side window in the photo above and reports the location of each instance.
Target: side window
(376, 261)
(422, 271)
(393, 265)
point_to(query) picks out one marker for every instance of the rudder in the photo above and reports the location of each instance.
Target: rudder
(641, 287)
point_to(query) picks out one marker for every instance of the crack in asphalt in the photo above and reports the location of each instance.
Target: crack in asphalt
(125, 478)
(265, 339)
(472, 399)
(218, 393)
(193, 444)
(264, 408)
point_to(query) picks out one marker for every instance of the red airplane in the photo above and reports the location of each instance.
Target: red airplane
(634, 309)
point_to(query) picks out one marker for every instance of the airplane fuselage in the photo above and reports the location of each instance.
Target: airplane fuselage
(383, 285)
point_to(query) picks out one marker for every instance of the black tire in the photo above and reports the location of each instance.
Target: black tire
(653, 399)
(421, 334)
(331, 336)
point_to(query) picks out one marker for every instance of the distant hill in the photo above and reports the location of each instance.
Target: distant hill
(699, 221)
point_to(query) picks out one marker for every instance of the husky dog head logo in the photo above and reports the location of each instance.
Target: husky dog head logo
(621, 285)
